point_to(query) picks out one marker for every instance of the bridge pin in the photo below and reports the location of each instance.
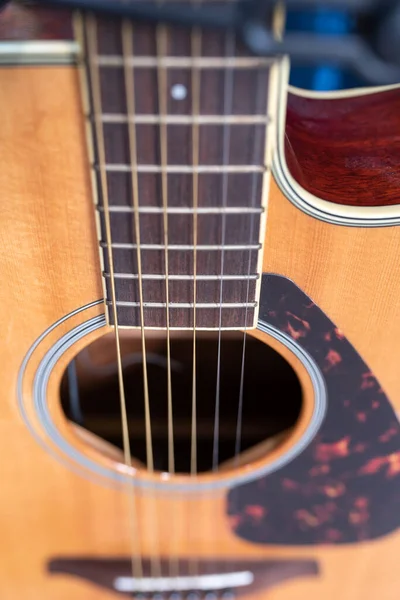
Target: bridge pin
(228, 595)
(211, 596)
(175, 596)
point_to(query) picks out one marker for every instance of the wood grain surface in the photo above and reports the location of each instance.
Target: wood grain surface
(351, 273)
(49, 267)
(346, 150)
(208, 128)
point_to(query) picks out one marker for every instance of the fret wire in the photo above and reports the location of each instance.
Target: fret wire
(185, 304)
(177, 210)
(207, 1)
(179, 247)
(184, 119)
(176, 62)
(125, 168)
(162, 119)
(237, 327)
(156, 276)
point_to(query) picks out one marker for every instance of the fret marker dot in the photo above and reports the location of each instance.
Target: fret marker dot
(178, 91)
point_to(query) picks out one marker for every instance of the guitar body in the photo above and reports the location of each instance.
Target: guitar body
(322, 525)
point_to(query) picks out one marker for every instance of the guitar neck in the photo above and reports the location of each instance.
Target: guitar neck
(180, 139)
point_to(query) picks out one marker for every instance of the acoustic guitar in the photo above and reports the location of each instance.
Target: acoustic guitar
(200, 320)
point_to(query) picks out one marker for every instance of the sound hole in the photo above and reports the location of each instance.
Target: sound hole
(271, 400)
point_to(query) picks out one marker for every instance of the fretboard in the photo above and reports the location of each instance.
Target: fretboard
(180, 167)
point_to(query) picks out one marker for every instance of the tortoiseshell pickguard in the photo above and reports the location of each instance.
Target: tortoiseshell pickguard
(345, 487)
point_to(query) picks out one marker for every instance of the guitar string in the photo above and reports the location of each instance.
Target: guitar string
(128, 53)
(148, 421)
(229, 50)
(278, 26)
(255, 176)
(161, 43)
(196, 49)
(228, 103)
(136, 561)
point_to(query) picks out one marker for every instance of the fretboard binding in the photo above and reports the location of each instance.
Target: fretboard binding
(185, 119)
(186, 304)
(179, 247)
(155, 276)
(178, 210)
(126, 168)
(179, 62)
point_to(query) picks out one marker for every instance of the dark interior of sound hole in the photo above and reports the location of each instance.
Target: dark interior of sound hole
(271, 406)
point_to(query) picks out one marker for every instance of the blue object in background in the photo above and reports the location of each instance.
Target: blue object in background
(323, 77)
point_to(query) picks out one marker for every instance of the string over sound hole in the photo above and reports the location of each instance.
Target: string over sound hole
(271, 397)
